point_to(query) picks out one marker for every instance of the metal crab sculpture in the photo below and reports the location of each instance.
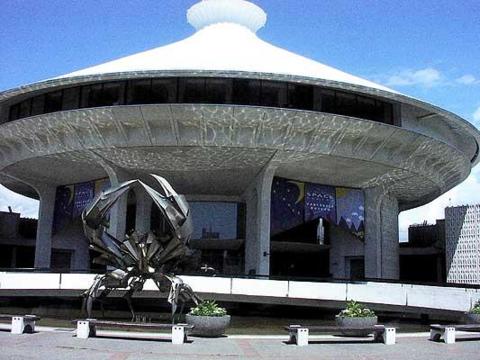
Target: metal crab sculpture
(139, 257)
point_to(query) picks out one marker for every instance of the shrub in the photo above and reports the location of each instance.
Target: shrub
(476, 308)
(355, 309)
(208, 308)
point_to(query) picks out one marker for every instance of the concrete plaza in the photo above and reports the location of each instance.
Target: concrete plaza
(62, 344)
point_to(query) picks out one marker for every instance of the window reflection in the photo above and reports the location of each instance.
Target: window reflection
(139, 92)
(53, 101)
(214, 220)
(71, 98)
(218, 235)
(38, 105)
(192, 90)
(274, 94)
(199, 90)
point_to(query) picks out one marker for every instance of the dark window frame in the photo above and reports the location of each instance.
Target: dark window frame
(238, 91)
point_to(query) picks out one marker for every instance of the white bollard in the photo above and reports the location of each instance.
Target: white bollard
(23, 324)
(178, 334)
(85, 329)
(17, 325)
(389, 336)
(302, 337)
(449, 335)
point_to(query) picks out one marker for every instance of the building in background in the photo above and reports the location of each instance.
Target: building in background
(462, 225)
(17, 244)
(17, 240)
(295, 167)
(422, 258)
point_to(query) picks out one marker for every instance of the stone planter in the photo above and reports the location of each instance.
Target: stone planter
(472, 318)
(209, 326)
(355, 322)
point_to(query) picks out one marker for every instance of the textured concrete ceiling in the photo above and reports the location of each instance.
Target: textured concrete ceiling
(214, 149)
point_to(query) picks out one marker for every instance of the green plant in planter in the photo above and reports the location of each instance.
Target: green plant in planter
(357, 310)
(476, 308)
(208, 308)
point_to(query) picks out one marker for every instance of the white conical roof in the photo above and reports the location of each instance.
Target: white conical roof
(226, 40)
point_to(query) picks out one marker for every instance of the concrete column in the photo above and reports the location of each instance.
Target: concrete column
(381, 235)
(43, 246)
(118, 213)
(143, 211)
(118, 218)
(257, 243)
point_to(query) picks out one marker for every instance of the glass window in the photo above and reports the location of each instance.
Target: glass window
(388, 113)
(84, 96)
(365, 107)
(246, 92)
(214, 220)
(192, 90)
(210, 91)
(328, 101)
(13, 112)
(274, 94)
(112, 94)
(53, 101)
(346, 103)
(219, 91)
(71, 98)
(164, 91)
(317, 98)
(300, 96)
(25, 108)
(95, 95)
(383, 112)
(139, 92)
(38, 104)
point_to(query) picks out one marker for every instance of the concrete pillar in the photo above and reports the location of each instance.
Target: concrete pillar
(381, 235)
(257, 243)
(118, 213)
(143, 210)
(43, 245)
(118, 218)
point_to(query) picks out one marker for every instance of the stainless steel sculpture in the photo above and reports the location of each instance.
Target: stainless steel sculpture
(139, 257)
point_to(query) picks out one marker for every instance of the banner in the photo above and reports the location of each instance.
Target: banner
(320, 202)
(287, 205)
(294, 203)
(63, 211)
(84, 194)
(71, 200)
(351, 210)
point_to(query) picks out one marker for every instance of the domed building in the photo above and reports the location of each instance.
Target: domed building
(291, 167)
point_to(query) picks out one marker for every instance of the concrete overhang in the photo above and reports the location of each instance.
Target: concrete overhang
(465, 130)
(205, 149)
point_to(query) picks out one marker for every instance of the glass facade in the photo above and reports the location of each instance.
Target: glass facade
(199, 90)
(218, 235)
(214, 220)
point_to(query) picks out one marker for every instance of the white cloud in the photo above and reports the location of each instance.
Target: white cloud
(468, 79)
(476, 115)
(25, 206)
(427, 77)
(463, 194)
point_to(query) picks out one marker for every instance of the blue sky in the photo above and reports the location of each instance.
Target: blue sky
(428, 49)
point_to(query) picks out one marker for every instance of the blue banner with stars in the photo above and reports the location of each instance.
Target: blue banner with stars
(294, 203)
(320, 203)
(287, 205)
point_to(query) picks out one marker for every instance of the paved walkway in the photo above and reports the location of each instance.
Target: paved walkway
(62, 344)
